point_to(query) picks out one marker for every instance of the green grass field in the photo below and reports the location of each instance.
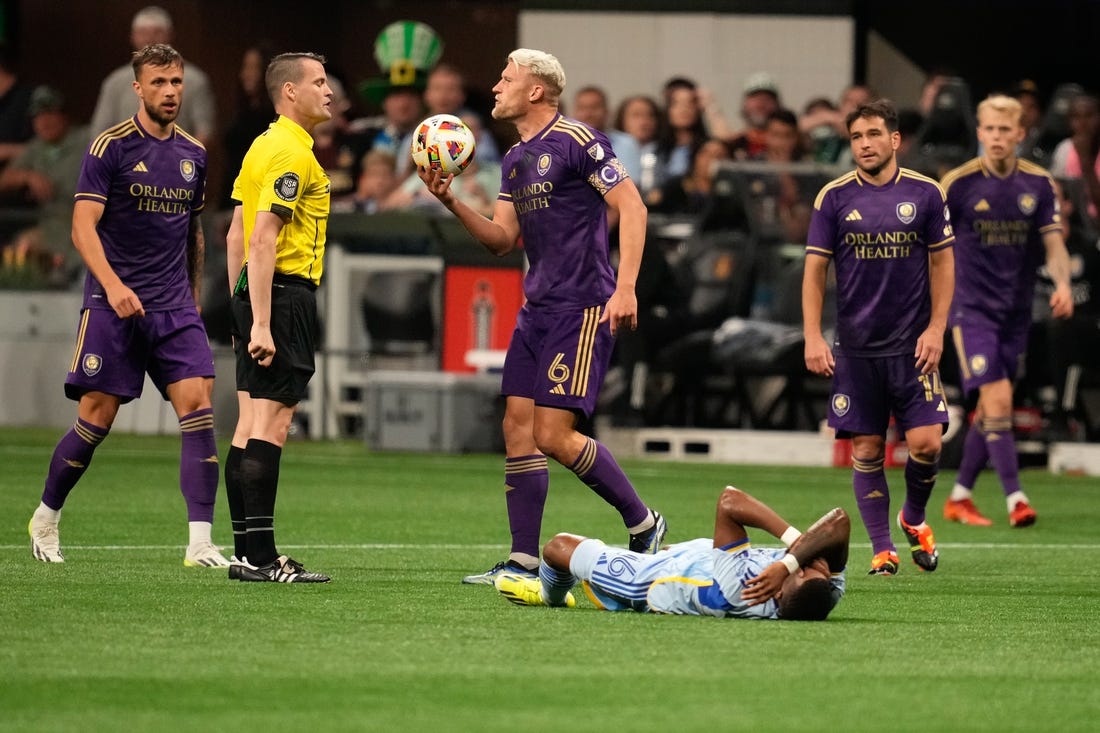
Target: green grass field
(1004, 636)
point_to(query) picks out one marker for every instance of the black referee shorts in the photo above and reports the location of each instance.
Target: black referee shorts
(294, 328)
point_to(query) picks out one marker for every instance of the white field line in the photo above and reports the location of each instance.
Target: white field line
(997, 546)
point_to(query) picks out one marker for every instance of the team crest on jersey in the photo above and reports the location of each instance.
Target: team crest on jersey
(978, 364)
(91, 364)
(596, 151)
(907, 212)
(187, 170)
(544, 164)
(841, 403)
(1027, 203)
(286, 186)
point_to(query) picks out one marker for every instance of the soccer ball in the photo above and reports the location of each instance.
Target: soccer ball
(444, 143)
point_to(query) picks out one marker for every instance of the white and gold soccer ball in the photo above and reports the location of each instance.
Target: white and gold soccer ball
(443, 142)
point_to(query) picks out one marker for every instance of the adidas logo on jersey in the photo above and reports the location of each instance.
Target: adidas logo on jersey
(982, 205)
(854, 216)
(558, 389)
(140, 167)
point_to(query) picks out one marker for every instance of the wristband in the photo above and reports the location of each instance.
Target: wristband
(790, 535)
(791, 562)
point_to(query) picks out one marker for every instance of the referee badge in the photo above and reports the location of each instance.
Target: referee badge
(841, 403)
(286, 186)
(187, 170)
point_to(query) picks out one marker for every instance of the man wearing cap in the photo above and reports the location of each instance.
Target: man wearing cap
(45, 173)
(153, 24)
(760, 100)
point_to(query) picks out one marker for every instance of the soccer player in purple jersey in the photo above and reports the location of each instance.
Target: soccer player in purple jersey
(887, 231)
(136, 225)
(1007, 222)
(557, 186)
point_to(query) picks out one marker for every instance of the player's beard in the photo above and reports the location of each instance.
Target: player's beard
(874, 171)
(162, 118)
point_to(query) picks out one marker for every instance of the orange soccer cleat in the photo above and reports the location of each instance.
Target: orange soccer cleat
(1022, 515)
(921, 543)
(964, 512)
(884, 563)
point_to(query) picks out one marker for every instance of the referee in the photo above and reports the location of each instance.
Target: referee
(275, 248)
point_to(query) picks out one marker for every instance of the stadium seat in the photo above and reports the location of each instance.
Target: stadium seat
(946, 137)
(1054, 128)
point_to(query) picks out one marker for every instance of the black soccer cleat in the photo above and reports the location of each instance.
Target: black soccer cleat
(649, 542)
(280, 570)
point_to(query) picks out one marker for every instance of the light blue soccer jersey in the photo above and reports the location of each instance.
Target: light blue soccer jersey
(689, 578)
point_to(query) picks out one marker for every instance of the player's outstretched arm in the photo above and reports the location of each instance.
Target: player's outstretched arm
(499, 234)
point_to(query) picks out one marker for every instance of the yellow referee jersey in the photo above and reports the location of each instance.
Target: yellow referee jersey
(281, 174)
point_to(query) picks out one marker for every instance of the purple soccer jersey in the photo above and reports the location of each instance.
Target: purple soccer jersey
(879, 238)
(556, 181)
(150, 189)
(999, 226)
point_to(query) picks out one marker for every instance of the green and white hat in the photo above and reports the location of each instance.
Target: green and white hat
(406, 50)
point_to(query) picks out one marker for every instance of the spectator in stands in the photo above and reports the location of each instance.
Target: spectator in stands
(825, 126)
(682, 130)
(1072, 343)
(590, 107)
(476, 187)
(45, 173)
(691, 194)
(337, 148)
(254, 112)
(759, 101)
(153, 24)
(1078, 156)
(638, 118)
(445, 93)
(402, 108)
(1031, 108)
(376, 184)
(783, 145)
(15, 98)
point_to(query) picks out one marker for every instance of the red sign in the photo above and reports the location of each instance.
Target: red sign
(479, 312)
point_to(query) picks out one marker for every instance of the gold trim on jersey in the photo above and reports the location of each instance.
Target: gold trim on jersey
(575, 130)
(79, 340)
(835, 183)
(189, 136)
(582, 365)
(970, 167)
(907, 173)
(119, 131)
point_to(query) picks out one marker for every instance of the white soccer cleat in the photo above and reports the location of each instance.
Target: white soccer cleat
(45, 542)
(204, 555)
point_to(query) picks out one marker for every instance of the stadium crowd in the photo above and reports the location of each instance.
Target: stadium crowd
(729, 198)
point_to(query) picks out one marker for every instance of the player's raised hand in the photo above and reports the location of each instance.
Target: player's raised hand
(929, 350)
(438, 183)
(125, 302)
(819, 357)
(1061, 302)
(763, 587)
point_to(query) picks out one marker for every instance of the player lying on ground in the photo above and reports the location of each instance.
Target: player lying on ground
(723, 576)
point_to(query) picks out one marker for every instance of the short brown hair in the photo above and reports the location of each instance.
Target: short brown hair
(883, 108)
(155, 54)
(287, 67)
(811, 601)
